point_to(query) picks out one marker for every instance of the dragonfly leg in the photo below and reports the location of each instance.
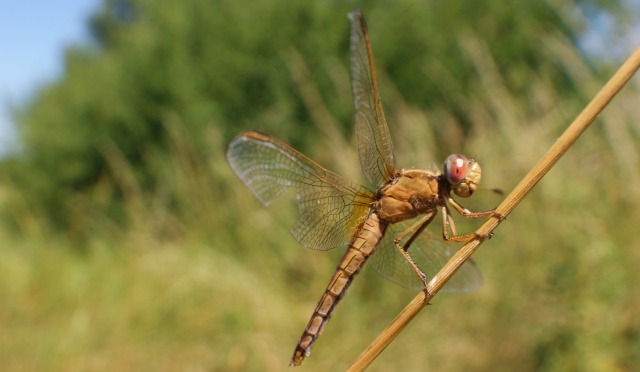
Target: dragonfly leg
(415, 230)
(469, 214)
(449, 224)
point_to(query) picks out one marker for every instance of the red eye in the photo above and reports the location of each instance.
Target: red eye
(455, 168)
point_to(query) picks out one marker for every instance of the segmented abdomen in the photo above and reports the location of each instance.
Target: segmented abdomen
(358, 251)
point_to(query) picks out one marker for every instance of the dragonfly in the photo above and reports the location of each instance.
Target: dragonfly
(380, 227)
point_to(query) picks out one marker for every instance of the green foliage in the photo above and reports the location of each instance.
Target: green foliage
(129, 243)
(200, 64)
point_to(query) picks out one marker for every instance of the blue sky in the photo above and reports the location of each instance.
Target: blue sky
(33, 37)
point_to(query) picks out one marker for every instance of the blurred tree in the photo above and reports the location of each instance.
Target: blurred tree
(193, 64)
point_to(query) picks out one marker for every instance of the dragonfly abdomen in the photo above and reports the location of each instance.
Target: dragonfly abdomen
(360, 249)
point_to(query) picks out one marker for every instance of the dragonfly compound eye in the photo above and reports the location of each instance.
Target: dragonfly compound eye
(470, 182)
(455, 168)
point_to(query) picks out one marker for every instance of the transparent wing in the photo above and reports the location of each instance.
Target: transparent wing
(430, 254)
(331, 208)
(372, 134)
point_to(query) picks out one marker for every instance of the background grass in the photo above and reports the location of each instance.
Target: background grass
(217, 283)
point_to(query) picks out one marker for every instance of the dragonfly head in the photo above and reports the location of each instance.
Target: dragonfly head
(463, 174)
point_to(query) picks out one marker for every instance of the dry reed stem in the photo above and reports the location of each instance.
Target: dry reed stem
(579, 125)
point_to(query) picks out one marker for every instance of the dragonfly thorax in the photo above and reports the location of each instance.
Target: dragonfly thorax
(410, 193)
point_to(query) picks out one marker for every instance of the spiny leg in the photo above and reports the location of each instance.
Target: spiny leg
(467, 213)
(416, 229)
(448, 223)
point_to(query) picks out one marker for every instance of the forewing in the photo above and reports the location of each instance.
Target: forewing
(430, 254)
(331, 207)
(372, 134)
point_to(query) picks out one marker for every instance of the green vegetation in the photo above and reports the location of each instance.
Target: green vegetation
(127, 243)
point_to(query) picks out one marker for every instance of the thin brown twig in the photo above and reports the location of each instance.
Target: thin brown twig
(564, 142)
